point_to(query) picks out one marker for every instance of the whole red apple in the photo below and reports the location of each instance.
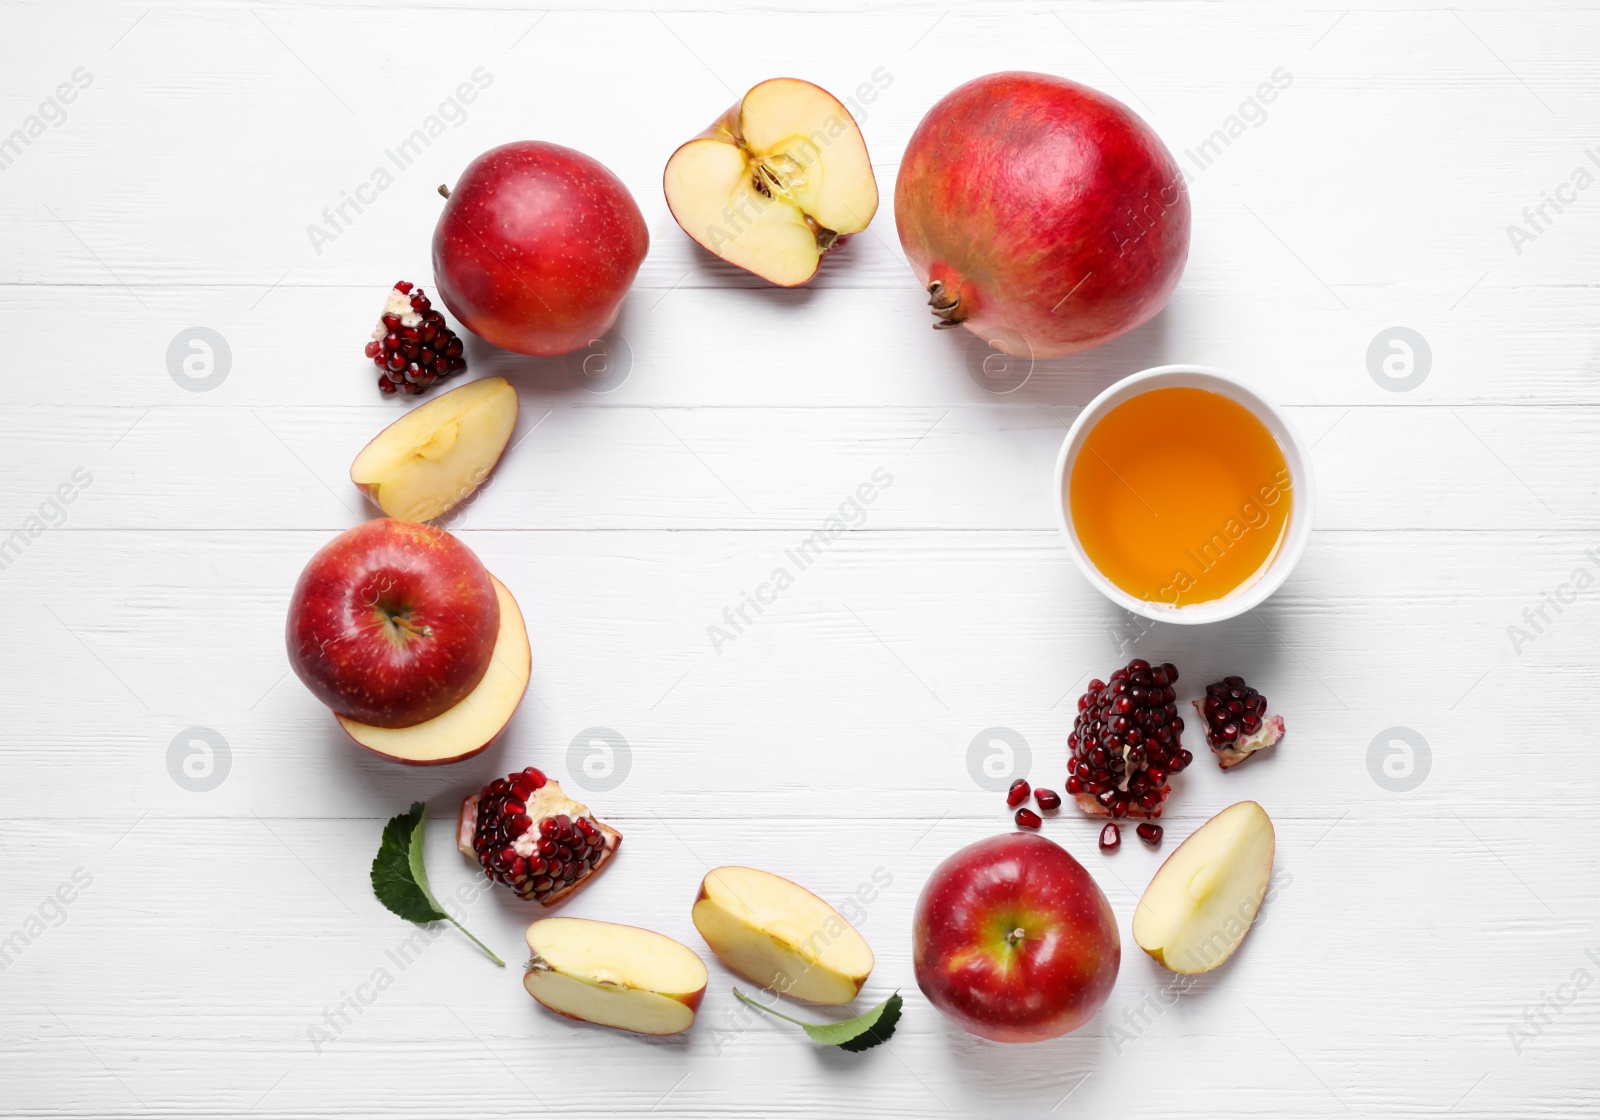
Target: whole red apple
(536, 247)
(392, 623)
(1014, 941)
(1041, 214)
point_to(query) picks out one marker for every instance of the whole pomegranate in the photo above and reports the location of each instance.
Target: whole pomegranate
(1042, 215)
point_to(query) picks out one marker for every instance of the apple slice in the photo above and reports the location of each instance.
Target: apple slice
(617, 976)
(436, 455)
(472, 724)
(776, 183)
(781, 936)
(1200, 904)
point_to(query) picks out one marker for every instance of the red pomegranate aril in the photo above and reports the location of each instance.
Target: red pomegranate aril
(1018, 793)
(1027, 818)
(1149, 833)
(1110, 838)
(1049, 800)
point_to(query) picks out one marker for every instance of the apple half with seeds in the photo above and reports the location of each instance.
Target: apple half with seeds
(1199, 906)
(433, 458)
(614, 975)
(779, 935)
(777, 183)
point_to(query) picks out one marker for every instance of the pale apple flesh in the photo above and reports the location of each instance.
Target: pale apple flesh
(776, 183)
(615, 975)
(1197, 909)
(472, 724)
(436, 455)
(779, 935)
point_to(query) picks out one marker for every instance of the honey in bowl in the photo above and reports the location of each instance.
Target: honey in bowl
(1180, 496)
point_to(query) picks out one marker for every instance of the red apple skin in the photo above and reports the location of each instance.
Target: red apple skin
(1049, 981)
(1052, 211)
(536, 247)
(392, 623)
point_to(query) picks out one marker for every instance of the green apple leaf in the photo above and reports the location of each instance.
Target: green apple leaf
(400, 878)
(865, 1031)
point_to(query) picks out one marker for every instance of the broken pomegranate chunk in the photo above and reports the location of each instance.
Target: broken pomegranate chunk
(411, 346)
(533, 838)
(1127, 742)
(1236, 721)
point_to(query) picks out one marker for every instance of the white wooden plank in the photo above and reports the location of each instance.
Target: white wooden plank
(830, 739)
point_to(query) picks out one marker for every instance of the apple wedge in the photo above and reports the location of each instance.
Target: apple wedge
(776, 183)
(436, 455)
(614, 975)
(1200, 904)
(779, 935)
(472, 724)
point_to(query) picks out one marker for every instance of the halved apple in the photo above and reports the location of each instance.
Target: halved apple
(1200, 904)
(615, 975)
(776, 183)
(779, 935)
(472, 724)
(436, 455)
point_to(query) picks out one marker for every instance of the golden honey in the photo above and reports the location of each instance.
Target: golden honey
(1180, 495)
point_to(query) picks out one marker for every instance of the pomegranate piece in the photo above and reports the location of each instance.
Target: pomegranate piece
(1236, 721)
(1149, 833)
(411, 346)
(1027, 818)
(1049, 800)
(1127, 742)
(1110, 838)
(533, 838)
(1018, 793)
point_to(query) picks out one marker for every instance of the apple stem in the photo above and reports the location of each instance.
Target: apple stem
(1015, 936)
(768, 1010)
(475, 941)
(407, 625)
(444, 191)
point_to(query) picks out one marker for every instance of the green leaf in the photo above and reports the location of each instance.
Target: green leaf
(400, 878)
(865, 1031)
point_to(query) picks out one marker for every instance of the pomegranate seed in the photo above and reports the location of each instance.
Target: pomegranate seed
(1149, 833)
(1027, 818)
(1018, 793)
(1049, 800)
(403, 287)
(1110, 838)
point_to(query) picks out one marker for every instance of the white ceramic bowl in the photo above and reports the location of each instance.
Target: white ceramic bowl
(1298, 456)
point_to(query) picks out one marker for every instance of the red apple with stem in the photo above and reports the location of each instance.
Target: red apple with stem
(393, 623)
(536, 247)
(1014, 941)
(1042, 215)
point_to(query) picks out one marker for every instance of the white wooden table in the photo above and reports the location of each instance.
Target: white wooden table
(222, 912)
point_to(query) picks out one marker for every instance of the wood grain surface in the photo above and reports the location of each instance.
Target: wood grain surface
(206, 943)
